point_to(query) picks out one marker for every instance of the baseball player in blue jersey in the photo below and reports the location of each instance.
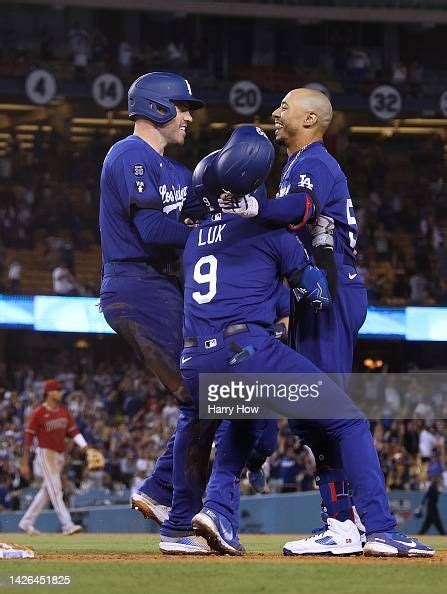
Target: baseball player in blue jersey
(143, 196)
(331, 239)
(229, 299)
(254, 158)
(153, 328)
(232, 269)
(314, 189)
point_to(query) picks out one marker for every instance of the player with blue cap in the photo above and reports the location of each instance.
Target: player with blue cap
(145, 197)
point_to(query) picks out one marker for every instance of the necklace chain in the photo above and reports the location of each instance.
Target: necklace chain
(297, 156)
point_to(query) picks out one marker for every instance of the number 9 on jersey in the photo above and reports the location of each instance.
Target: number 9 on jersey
(205, 273)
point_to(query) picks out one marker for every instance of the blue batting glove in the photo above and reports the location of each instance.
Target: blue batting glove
(313, 287)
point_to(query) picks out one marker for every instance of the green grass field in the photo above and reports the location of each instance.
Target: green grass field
(131, 563)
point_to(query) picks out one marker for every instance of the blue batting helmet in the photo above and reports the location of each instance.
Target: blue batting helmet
(245, 161)
(205, 183)
(153, 96)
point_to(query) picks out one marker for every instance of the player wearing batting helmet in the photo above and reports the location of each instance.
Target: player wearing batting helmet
(313, 189)
(145, 196)
(231, 278)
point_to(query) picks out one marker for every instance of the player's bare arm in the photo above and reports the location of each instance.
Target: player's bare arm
(24, 464)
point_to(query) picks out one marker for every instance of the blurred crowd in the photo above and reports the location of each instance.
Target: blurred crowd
(57, 200)
(129, 417)
(397, 182)
(347, 58)
(54, 213)
(83, 51)
(125, 413)
(397, 186)
(399, 191)
(411, 452)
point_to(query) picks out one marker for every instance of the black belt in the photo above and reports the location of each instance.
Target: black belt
(193, 341)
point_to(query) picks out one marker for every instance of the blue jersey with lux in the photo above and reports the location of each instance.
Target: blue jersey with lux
(316, 170)
(233, 271)
(133, 176)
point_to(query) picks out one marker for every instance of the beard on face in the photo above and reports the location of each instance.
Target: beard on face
(280, 141)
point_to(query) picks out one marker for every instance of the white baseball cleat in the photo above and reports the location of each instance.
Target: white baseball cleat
(185, 543)
(29, 529)
(151, 509)
(336, 538)
(72, 530)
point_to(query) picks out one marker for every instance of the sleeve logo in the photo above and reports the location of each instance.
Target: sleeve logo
(305, 182)
(138, 170)
(140, 185)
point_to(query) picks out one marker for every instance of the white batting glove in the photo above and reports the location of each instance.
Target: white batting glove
(244, 206)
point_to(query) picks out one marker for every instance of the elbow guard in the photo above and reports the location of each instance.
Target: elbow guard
(322, 232)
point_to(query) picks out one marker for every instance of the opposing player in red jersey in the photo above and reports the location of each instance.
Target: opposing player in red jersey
(50, 423)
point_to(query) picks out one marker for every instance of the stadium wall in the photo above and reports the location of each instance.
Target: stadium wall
(82, 315)
(294, 513)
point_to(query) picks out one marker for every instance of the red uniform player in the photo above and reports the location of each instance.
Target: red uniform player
(50, 423)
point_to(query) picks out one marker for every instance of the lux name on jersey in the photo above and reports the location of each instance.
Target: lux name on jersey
(173, 195)
(211, 235)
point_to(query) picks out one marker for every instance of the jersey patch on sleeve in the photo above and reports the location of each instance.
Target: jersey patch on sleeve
(138, 170)
(140, 186)
(305, 182)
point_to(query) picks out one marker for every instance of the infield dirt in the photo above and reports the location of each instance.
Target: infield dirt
(439, 559)
(129, 563)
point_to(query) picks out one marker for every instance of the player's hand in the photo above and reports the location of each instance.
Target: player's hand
(244, 206)
(190, 223)
(313, 288)
(25, 471)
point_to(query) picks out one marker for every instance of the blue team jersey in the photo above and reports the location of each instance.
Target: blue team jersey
(282, 301)
(316, 170)
(233, 272)
(133, 176)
